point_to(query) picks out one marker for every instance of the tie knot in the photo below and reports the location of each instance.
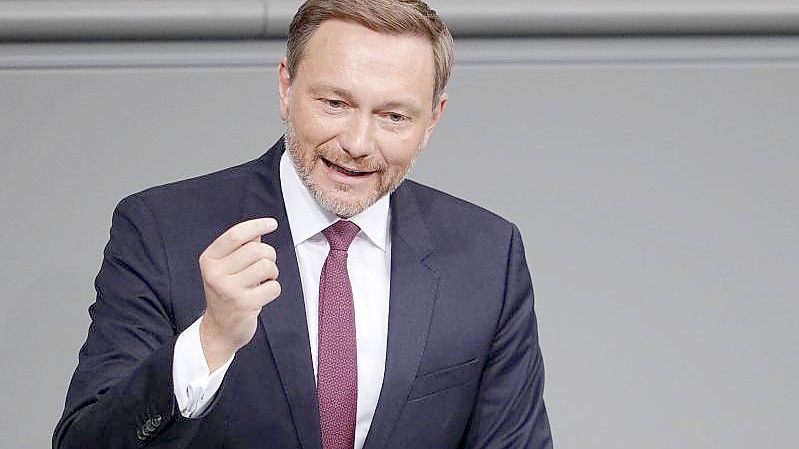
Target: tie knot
(340, 234)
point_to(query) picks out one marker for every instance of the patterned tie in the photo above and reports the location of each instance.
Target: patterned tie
(337, 375)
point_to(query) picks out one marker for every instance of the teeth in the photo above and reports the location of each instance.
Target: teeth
(344, 170)
(350, 172)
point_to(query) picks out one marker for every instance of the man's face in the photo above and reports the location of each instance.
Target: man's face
(358, 110)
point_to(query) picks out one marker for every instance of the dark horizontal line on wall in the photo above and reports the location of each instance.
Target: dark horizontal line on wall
(264, 54)
(630, 50)
(498, 19)
(630, 63)
(141, 54)
(199, 66)
(497, 65)
(87, 20)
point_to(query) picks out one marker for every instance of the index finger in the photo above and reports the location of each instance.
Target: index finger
(240, 234)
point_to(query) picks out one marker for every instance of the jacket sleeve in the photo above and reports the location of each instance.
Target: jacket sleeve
(121, 394)
(510, 412)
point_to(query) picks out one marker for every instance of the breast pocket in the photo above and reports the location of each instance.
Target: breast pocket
(444, 379)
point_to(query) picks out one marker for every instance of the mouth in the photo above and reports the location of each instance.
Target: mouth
(346, 171)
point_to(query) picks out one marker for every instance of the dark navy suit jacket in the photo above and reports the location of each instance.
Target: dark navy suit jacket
(463, 367)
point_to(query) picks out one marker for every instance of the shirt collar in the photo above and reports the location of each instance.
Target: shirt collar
(308, 218)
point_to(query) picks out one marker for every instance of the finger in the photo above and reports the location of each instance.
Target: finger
(264, 294)
(247, 255)
(238, 235)
(257, 273)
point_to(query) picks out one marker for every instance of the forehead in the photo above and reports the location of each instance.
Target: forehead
(355, 57)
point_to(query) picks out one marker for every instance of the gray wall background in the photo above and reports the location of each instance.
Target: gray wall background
(646, 149)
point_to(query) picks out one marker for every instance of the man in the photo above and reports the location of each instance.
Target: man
(400, 317)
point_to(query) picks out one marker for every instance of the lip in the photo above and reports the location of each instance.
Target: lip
(331, 171)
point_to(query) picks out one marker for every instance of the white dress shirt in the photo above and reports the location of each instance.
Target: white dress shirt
(369, 267)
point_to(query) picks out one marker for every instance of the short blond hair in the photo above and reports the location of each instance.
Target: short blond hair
(385, 16)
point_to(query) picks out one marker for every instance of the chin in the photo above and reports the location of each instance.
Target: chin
(344, 208)
(341, 202)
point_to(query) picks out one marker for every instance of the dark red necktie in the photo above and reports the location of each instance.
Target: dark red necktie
(337, 374)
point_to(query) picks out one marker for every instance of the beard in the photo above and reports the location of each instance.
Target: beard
(338, 198)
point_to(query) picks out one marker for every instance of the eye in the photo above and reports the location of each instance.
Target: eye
(396, 118)
(334, 104)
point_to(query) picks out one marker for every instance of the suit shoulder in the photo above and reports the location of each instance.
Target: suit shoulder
(453, 211)
(219, 181)
(214, 200)
(460, 231)
(430, 199)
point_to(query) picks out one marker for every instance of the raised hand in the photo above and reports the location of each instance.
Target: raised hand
(239, 275)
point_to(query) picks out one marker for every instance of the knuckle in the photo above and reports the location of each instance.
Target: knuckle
(278, 288)
(210, 273)
(204, 259)
(236, 237)
(266, 265)
(250, 250)
(260, 266)
(272, 289)
(268, 252)
(218, 283)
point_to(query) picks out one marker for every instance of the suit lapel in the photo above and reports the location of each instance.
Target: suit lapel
(413, 292)
(284, 320)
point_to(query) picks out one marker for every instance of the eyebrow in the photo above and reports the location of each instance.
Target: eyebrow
(326, 88)
(407, 106)
(403, 106)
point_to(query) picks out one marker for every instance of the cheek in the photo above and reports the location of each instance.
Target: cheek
(313, 127)
(401, 149)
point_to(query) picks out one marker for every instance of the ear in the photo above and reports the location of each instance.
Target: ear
(283, 87)
(438, 111)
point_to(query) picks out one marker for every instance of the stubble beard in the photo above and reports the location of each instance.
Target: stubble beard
(389, 179)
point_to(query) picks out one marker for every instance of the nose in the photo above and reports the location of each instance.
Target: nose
(358, 137)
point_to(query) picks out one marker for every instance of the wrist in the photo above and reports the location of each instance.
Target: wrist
(215, 349)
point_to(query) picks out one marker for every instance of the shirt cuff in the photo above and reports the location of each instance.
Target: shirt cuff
(194, 385)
